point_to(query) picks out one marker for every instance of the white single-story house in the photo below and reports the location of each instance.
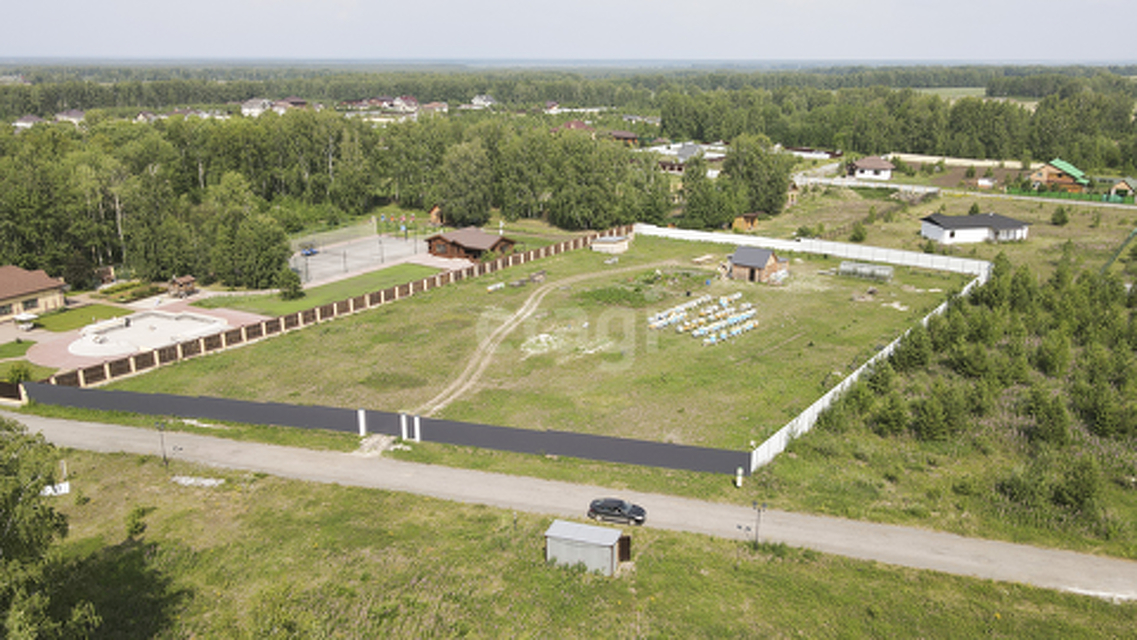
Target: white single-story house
(599, 549)
(984, 227)
(871, 168)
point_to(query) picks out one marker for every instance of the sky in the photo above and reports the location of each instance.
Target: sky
(954, 31)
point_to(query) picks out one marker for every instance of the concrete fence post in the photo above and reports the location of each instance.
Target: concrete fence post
(418, 429)
(361, 416)
(403, 425)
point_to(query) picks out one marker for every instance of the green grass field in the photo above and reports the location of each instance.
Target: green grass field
(76, 318)
(15, 349)
(38, 372)
(586, 361)
(272, 305)
(261, 557)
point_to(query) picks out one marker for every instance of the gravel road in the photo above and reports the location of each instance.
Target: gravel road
(1110, 578)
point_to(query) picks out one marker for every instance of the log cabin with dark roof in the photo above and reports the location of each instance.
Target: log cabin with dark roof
(470, 243)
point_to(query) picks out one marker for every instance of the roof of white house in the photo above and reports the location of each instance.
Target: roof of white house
(979, 221)
(873, 163)
(590, 534)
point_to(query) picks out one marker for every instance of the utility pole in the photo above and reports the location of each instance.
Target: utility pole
(162, 437)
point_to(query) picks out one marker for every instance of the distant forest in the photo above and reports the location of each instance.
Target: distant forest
(217, 197)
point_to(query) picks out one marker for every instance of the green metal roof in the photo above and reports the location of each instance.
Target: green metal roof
(1070, 170)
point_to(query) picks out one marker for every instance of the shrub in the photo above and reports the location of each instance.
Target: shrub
(1059, 218)
(974, 210)
(892, 417)
(288, 282)
(930, 420)
(19, 372)
(858, 234)
(134, 524)
(1024, 487)
(1080, 485)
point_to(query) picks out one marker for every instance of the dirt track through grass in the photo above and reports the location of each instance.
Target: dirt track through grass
(486, 349)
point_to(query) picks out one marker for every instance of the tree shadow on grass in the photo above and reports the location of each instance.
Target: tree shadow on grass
(130, 592)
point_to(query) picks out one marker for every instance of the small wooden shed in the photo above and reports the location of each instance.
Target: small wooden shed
(755, 264)
(182, 286)
(599, 549)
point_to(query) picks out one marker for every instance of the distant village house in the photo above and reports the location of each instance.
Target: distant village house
(1059, 175)
(871, 168)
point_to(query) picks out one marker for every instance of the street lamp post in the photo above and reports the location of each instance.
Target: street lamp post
(381, 258)
(758, 522)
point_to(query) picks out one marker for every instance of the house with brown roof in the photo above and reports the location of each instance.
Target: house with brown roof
(28, 292)
(1059, 175)
(626, 137)
(871, 168)
(470, 243)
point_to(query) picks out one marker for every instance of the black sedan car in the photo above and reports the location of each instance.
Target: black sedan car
(616, 510)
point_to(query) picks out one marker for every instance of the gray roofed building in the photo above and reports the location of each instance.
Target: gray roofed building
(597, 548)
(755, 264)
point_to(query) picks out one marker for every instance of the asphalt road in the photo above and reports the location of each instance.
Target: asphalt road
(905, 546)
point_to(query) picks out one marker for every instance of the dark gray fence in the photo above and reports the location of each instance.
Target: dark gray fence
(561, 443)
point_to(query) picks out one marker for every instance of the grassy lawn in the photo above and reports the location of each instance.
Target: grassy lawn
(16, 348)
(259, 554)
(38, 372)
(75, 318)
(586, 361)
(272, 305)
(1093, 232)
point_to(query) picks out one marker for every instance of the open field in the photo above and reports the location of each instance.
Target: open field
(1093, 232)
(78, 317)
(586, 361)
(270, 304)
(258, 554)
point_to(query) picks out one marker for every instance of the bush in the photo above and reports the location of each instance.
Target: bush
(974, 210)
(134, 524)
(858, 234)
(1060, 218)
(1080, 486)
(892, 417)
(19, 372)
(289, 284)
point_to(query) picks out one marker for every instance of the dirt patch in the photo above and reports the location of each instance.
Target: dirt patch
(373, 446)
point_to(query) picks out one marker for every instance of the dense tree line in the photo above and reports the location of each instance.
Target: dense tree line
(1092, 129)
(1052, 364)
(217, 198)
(57, 88)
